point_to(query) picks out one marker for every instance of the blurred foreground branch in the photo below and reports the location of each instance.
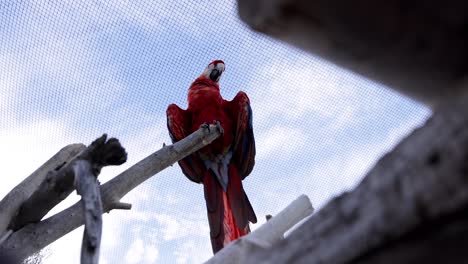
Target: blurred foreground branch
(410, 208)
(415, 47)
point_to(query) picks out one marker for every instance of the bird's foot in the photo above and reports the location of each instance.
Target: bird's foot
(215, 123)
(205, 126)
(218, 126)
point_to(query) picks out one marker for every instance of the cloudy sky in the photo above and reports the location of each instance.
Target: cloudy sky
(72, 70)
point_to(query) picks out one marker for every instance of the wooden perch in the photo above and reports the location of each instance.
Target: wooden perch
(86, 169)
(12, 202)
(266, 235)
(57, 185)
(409, 206)
(415, 47)
(33, 237)
(59, 182)
(88, 187)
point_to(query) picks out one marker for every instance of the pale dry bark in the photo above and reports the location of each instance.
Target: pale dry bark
(35, 236)
(86, 168)
(11, 203)
(266, 235)
(87, 186)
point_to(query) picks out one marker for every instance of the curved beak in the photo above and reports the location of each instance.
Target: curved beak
(215, 75)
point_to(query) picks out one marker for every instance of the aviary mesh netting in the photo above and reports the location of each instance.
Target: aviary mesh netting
(72, 70)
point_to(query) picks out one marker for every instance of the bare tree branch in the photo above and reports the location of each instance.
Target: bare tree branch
(59, 182)
(55, 188)
(34, 237)
(5, 236)
(86, 169)
(11, 203)
(120, 206)
(88, 187)
(266, 235)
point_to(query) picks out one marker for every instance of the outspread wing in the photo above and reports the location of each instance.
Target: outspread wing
(178, 124)
(244, 143)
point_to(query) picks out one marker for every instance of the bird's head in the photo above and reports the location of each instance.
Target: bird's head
(214, 70)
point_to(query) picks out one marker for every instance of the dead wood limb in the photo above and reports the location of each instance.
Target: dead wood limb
(11, 203)
(5, 236)
(59, 182)
(422, 182)
(442, 241)
(86, 168)
(34, 237)
(266, 235)
(88, 187)
(55, 188)
(120, 206)
(413, 46)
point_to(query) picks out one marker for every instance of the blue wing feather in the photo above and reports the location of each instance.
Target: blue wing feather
(244, 142)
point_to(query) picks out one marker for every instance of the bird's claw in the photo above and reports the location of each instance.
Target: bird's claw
(215, 123)
(218, 126)
(205, 126)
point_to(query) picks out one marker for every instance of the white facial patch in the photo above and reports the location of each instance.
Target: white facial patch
(220, 67)
(208, 70)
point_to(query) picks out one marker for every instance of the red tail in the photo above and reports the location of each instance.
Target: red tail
(225, 207)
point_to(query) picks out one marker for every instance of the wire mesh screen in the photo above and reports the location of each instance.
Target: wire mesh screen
(72, 70)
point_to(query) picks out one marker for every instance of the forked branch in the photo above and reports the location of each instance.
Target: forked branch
(36, 236)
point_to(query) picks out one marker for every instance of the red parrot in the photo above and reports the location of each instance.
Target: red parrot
(222, 165)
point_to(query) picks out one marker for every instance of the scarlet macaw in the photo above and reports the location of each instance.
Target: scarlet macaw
(222, 165)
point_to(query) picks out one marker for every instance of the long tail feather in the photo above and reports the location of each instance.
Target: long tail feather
(223, 225)
(240, 204)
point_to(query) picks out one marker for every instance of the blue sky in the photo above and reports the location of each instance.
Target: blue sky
(72, 70)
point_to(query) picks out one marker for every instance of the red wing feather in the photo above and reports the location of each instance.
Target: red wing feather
(178, 124)
(244, 143)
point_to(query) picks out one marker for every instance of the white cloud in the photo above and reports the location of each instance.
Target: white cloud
(282, 140)
(151, 254)
(293, 89)
(58, 67)
(144, 16)
(181, 225)
(327, 179)
(135, 252)
(343, 172)
(191, 252)
(9, 83)
(23, 153)
(66, 249)
(151, 16)
(48, 67)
